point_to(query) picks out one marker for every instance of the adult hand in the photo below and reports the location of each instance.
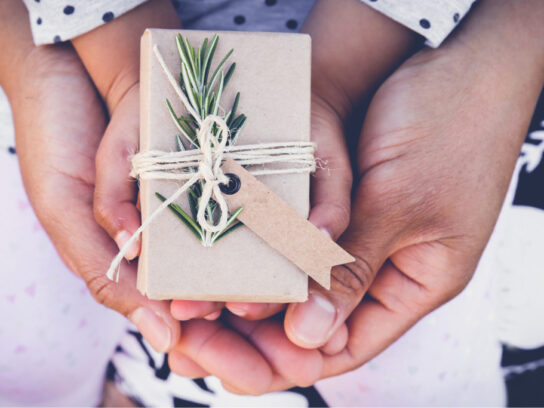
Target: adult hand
(334, 68)
(342, 76)
(436, 153)
(59, 122)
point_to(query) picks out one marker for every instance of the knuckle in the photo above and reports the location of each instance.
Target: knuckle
(101, 288)
(339, 216)
(306, 379)
(353, 278)
(103, 213)
(455, 287)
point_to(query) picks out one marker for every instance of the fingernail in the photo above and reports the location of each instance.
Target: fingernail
(213, 316)
(313, 320)
(237, 310)
(153, 328)
(121, 240)
(326, 232)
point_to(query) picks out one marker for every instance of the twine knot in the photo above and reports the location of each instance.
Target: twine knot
(212, 138)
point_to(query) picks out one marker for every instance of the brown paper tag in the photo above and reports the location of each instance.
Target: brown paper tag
(281, 227)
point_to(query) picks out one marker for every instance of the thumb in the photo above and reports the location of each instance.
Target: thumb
(115, 192)
(331, 184)
(312, 324)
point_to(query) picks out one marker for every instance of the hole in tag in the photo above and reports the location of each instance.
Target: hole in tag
(233, 186)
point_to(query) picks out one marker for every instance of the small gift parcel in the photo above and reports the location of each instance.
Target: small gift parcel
(224, 169)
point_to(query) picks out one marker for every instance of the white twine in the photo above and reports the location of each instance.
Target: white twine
(157, 165)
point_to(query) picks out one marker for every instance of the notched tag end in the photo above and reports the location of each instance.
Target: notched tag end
(281, 227)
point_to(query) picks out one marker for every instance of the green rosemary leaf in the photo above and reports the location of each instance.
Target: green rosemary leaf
(218, 69)
(178, 124)
(205, 98)
(228, 231)
(188, 80)
(183, 216)
(191, 92)
(203, 112)
(194, 191)
(193, 203)
(226, 118)
(197, 64)
(233, 110)
(209, 58)
(181, 147)
(229, 227)
(183, 52)
(229, 73)
(236, 123)
(210, 102)
(209, 213)
(202, 56)
(191, 52)
(237, 127)
(219, 93)
(197, 189)
(188, 125)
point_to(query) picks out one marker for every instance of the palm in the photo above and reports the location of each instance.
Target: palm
(434, 161)
(59, 122)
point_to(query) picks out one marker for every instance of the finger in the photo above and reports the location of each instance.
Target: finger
(254, 311)
(331, 183)
(184, 366)
(396, 304)
(89, 257)
(230, 388)
(115, 193)
(297, 365)
(213, 316)
(194, 309)
(278, 384)
(337, 342)
(224, 353)
(369, 238)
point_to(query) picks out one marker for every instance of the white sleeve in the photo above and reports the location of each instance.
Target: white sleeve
(60, 20)
(433, 19)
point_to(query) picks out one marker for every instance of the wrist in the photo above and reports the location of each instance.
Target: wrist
(15, 42)
(505, 35)
(111, 52)
(354, 48)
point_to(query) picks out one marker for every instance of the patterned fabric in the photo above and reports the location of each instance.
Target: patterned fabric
(61, 20)
(54, 21)
(433, 19)
(144, 375)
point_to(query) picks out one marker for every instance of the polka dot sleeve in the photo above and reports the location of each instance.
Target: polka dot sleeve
(60, 20)
(433, 19)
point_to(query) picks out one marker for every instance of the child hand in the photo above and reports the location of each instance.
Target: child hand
(114, 67)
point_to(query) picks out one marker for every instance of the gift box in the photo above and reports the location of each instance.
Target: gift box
(272, 76)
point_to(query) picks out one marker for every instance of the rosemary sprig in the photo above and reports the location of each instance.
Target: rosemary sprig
(205, 98)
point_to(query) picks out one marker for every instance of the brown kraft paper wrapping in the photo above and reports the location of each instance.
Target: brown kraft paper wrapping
(273, 76)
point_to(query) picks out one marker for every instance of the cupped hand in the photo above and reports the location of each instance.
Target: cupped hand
(264, 359)
(435, 157)
(342, 77)
(59, 122)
